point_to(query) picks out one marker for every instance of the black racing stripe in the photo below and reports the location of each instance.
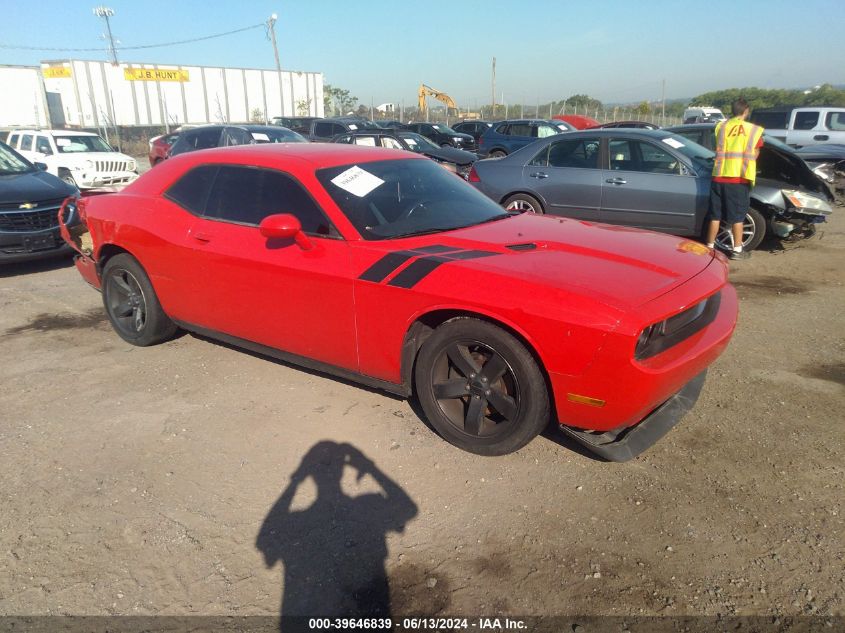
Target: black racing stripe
(434, 249)
(471, 254)
(386, 265)
(415, 272)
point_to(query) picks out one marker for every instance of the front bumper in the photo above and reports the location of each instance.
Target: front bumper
(24, 247)
(92, 180)
(626, 443)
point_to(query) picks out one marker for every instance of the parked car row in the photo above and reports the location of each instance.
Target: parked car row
(651, 179)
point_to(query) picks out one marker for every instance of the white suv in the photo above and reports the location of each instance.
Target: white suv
(82, 159)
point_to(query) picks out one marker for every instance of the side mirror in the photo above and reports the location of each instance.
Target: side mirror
(285, 226)
(41, 166)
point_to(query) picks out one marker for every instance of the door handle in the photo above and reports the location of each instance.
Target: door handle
(616, 181)
(201, 237)
(539, 174)
(821, 137)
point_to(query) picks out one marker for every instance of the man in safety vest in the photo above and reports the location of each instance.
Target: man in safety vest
(734, 172)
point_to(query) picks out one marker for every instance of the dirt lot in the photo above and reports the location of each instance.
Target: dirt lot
(143, 481)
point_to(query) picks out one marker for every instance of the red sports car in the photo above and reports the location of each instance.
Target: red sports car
(379, 265)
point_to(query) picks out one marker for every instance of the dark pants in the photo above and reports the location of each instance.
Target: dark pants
(729, 201)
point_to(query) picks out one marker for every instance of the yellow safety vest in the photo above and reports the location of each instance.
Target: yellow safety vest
(736, 149)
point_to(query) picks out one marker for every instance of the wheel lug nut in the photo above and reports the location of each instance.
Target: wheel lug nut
(487, 393)
(467, 387)
(472, 375)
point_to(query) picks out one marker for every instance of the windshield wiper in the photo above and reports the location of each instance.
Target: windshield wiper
(441, 229)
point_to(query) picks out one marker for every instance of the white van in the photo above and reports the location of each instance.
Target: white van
(703, 114)
(811, 125)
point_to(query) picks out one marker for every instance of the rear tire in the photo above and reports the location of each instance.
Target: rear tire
(132, 305)
(498, 153)
(480, 388)
(523, 203)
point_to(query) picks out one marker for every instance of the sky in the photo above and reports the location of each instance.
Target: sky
(381, 50)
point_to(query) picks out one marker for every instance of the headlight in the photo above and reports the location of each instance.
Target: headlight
(457, 139)
(659, 337)
(807, 203)
(132, 165)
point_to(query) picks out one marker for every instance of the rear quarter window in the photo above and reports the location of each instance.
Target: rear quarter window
(771, 120)
(191, 191)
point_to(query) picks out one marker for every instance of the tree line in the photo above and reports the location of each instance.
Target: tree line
(338, 101)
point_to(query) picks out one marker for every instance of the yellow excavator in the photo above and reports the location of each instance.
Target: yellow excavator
(426, 91)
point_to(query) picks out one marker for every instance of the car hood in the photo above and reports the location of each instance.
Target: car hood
(618, 266)
(32, 186)
(775, 164)
(451, 155)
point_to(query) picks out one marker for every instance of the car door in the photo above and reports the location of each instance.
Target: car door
(647, 186)
(269, 291)
(565, 175)
(804, 126)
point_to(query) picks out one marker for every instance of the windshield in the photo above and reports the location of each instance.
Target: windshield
(417, 142)
(445, 129)
(282, 135)
(13, 163)
(71, 144)
(397, 198)
(700, 155)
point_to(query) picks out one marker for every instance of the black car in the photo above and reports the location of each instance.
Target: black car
(637, 125)
(208, 136)
(474, 128)
(327, 129)
(29, 205)
(299, 124)
(451, 158)
(392, 124)
(444, 136)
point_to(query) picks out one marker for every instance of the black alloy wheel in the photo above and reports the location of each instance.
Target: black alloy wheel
(131, 303)
(481, 388)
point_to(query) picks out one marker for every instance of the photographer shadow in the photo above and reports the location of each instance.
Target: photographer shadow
(334, 551)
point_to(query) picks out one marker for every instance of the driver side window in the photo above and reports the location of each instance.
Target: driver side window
(247, 195)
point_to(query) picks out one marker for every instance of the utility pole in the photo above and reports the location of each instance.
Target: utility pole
(493, 92)
(663, 103)
(106, 13)
(271, 26)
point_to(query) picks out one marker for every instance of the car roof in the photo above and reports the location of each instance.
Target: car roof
(691, 126)
(59, 132)
(318, 154)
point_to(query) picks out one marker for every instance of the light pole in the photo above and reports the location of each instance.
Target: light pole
(106, 13)
(271, 24)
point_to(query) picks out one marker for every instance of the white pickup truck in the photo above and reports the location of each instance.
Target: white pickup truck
(81, 159)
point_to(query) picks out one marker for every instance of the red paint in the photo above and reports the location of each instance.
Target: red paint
(580, 298)
(580, 122)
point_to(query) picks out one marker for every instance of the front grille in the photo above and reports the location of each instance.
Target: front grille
(108, 166)
(22, 221)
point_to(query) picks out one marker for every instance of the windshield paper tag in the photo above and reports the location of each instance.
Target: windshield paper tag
(352, 126)
(673, 143)
(258, 136)
(357, 181)
(62, 142)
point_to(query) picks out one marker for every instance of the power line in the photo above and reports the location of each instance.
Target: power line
(129, 48)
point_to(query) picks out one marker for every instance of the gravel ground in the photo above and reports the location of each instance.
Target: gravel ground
(162, 480)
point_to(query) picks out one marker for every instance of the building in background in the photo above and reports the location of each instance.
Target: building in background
(95, 94)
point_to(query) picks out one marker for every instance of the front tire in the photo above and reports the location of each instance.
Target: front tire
(480, 388)
(131, 303)
(523, 203)
(753, 232)
(65, 176)
(498, 153)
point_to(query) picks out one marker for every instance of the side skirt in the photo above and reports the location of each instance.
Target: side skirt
(295, 359)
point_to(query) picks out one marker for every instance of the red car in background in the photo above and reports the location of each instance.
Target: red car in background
(378, 265)
(578, 121)
(159, 146)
